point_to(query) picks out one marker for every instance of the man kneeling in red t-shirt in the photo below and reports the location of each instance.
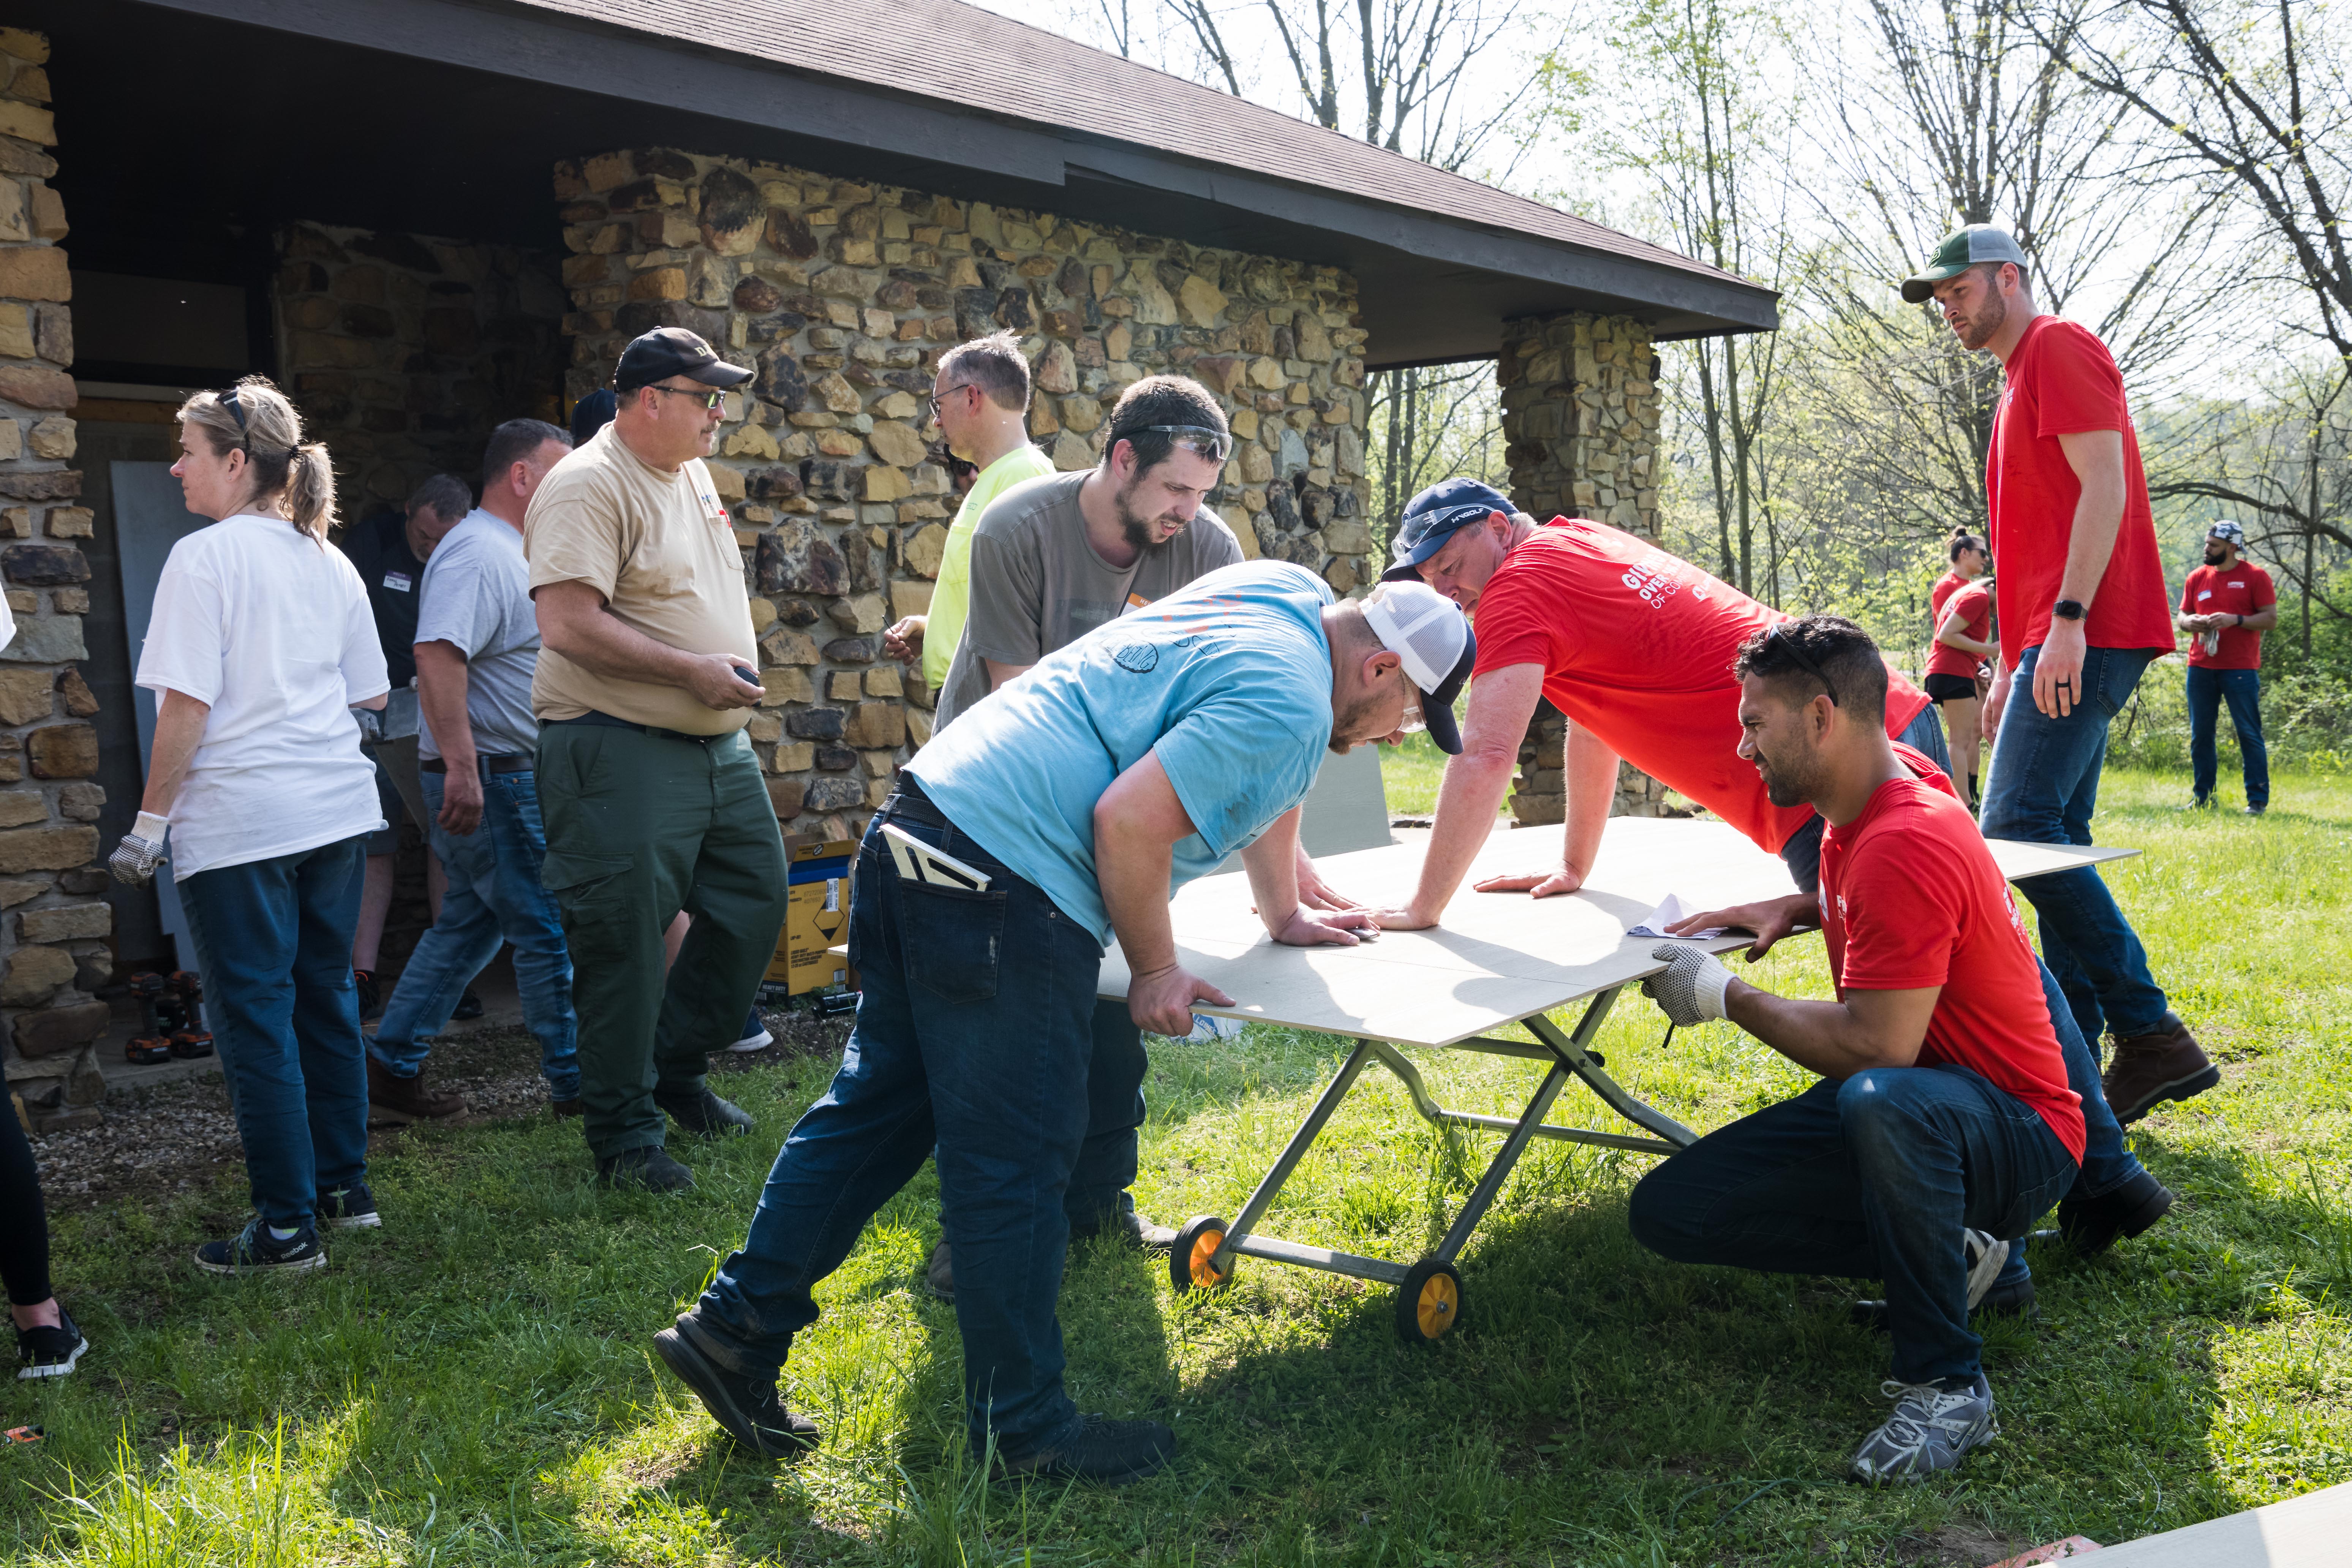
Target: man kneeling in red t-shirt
(1943, 1123)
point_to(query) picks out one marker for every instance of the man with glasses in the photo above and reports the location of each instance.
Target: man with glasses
(1050, 561)
(981, 400)
(652, 798)
(1636, 647)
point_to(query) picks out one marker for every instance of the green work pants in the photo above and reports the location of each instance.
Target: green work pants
(639, 828)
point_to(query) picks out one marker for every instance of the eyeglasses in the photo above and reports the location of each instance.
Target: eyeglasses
(1198, 439)
(1413, 723)
(936, 396)
(710, 400)
(1781, 637)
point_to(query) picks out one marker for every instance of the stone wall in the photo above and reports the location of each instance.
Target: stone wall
(54, 952)
(403, 350)
(1579, 398)
(844, 295)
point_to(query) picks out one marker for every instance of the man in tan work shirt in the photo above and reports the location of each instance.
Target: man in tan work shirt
(652, 795)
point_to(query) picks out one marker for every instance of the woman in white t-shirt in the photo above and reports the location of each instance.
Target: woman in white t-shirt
(259, 645)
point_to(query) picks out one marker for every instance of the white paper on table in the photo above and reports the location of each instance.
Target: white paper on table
(1655, 922)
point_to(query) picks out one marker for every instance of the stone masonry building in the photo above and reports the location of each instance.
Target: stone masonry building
(444, 216)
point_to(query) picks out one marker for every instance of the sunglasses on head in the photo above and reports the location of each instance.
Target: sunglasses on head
(1198, 438)
(1781, 637)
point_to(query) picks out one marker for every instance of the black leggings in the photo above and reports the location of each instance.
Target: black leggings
(24, 1223)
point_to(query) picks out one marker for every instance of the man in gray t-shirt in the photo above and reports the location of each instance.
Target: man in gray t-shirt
(1052, 559)
(477, 646)
(1038, 580)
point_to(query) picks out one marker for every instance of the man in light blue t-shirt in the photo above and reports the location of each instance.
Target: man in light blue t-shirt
(1062, 811)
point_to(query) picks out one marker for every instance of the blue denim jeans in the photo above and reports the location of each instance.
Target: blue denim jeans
(2242, 690)
(494, 895)
(2042, 785)
(1872, 1179)
(973, 1034)
(273, 940)
(1925, 734)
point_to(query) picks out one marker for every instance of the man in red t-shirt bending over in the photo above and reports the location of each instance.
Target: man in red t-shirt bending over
(1634, 645)
(1942, 1126)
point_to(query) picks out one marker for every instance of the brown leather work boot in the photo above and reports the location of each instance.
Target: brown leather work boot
(2148, 1070)
(394, 1098)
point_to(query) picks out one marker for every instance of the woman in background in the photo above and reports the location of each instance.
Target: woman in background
(1961, 615)
(259, 644)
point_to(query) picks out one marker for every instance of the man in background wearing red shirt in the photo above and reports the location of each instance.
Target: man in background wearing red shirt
(2225, 608)
(2083, 610)
(1942, 1126)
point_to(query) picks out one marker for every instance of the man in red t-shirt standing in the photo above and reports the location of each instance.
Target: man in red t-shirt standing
(2083, 610)
(1942, 1126)
(2225, 608)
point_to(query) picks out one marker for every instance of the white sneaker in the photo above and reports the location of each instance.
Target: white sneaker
(1986, 1255)
(756, 1036)
(1930, 1431)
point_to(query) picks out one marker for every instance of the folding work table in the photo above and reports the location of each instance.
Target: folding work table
(1498, 959)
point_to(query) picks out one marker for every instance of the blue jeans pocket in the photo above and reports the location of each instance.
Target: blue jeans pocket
(953, 939)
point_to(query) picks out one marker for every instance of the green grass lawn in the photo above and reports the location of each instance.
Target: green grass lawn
(472, 1384)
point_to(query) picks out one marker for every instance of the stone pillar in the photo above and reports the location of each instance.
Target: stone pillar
(53, 952)
(1581, 425)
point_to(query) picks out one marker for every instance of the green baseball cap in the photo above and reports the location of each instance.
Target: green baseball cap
(1963, 249)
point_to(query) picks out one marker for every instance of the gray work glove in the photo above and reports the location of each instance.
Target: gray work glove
(1690, 990)
(134, 859)
(370, 721)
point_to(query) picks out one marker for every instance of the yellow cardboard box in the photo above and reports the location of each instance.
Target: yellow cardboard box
(817, 917)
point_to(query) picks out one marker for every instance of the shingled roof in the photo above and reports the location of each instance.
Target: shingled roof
(930, 48)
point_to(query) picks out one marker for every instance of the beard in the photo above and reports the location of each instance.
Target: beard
(1346, 723)
(1787, 781)
(1136, 529)
(1988, 320)
(2214, 557)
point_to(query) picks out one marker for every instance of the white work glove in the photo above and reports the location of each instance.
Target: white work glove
(371, 724)
(135, 858)
(1690, 991)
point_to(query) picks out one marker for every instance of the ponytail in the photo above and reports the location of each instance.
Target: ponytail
(311, 491)
(256, 418)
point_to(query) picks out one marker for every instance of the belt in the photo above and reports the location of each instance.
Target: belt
(488, 764)
(593, 717)
(908, 800)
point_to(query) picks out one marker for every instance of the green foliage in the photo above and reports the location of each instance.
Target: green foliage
(472, 1384)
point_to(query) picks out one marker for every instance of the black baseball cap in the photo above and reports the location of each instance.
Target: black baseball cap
(667, 351)
(1434, 516)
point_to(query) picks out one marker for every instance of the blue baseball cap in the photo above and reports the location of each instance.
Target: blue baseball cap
(1434, 516)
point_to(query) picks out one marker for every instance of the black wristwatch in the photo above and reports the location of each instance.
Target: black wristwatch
(2068, 610)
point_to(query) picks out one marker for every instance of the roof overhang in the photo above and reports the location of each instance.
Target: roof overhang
(252, 109)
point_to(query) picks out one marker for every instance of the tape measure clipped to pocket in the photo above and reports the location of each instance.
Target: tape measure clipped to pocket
(920, 862)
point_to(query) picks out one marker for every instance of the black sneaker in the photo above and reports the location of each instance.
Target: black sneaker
(2091, 1225)
(49, 1351)
(350, 1208)
(254, 1250)
(650, 1168)
(371, 994)
(705, 1115)
(741, 1399)
(468, 1008)
(1101, 1449)
(1133, 1229)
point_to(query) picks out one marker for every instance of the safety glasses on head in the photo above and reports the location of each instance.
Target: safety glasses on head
(1781, 637)
(1198, 439)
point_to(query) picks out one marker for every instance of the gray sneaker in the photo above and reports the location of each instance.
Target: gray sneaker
(1931, 1429)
